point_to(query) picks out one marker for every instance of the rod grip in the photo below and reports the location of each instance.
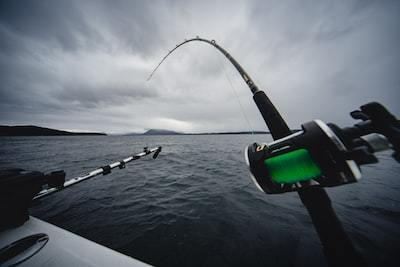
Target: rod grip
(337, 246)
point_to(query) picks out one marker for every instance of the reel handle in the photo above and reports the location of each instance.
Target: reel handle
(375, 119)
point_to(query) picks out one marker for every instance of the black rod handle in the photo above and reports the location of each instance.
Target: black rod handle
(337, 246)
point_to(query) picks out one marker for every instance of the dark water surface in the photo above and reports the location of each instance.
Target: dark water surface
(196, 205)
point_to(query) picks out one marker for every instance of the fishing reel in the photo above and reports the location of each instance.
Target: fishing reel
(324, 154)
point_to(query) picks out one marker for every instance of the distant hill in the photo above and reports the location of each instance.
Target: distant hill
(29, 130)
(168, 132)
(221, 133)
(160, 132)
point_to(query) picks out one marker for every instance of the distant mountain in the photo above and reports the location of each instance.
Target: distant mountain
(160, 132)
(29, 130)
(220, 133)
(168, 132)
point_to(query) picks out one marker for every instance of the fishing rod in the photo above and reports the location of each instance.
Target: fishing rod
(337, 246)
(56, 180)
(275, 123)
(19, 188)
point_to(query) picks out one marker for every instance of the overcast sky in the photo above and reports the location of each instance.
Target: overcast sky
(82, 65)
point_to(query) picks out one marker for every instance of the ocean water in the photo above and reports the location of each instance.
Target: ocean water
(195, 205)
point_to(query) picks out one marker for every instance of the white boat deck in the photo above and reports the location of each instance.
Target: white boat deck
(63, 248)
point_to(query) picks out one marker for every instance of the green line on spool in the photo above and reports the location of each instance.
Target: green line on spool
(294, 166)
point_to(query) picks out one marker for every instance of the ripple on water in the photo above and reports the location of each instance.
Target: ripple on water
(196, 205)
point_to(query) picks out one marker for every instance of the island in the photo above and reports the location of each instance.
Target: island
(30, 130)
(169, 132)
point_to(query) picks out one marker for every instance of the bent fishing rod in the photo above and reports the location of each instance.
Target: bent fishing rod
(275, 123)
(55, 181)
(320, 155)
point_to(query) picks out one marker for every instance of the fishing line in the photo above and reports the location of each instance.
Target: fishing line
(236, 95)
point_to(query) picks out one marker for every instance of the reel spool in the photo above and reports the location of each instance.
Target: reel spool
(314, 155)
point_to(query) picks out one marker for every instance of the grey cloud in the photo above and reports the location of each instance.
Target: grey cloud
(106, 94)
(59, 21)
(70, 64)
